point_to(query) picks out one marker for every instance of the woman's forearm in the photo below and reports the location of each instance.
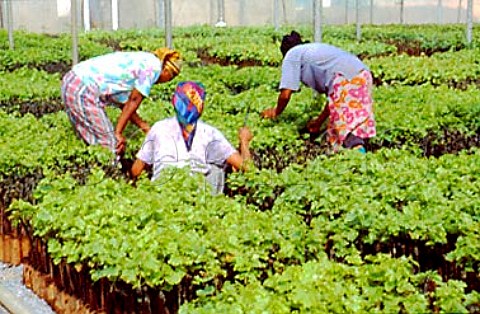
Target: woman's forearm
(137, 168)
(138, 121)
(128, 110)
(245, 150)
(282, 101)
(325, 114)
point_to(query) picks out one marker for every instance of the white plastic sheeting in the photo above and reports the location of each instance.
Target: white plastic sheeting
(52, 16)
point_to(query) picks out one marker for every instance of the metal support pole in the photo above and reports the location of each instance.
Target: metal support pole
(9, 21)
(346, 11)
(2, 15)
(221, 14)
(86, 15)
(439, 12)
(284, 10)
(114, 15)
(276, 14)
(74, 28)
(459, 11)
(241, 13)
(469, 21)
(212, 11)
(371, 12)
(357, 20)
(168, 24)
(317, 20)
(402, 12)
(160, 13)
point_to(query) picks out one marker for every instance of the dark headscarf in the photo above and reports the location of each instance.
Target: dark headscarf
(290, 41)
(188, 101)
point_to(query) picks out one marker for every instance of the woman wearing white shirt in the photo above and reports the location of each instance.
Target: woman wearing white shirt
(186, 141)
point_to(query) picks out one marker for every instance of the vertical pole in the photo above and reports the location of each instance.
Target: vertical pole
(222, 10)
(284, 10)
(459, 11)
(357, 20)
(469, 21)
(371, 12)
(276, 14)
(221, 14)
(402, 12)
(346, 11)
(2, 15)
(73, 21)
(212, 11)
(241, 13)
(86, 15)
(439, 12)
(9, 21)
(160, 18)
(168, 24)
(114, 15)
(317, 20)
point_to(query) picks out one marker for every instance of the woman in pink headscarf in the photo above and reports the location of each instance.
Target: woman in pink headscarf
(185, 140)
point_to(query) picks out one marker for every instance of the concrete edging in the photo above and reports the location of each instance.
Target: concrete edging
(13, 303)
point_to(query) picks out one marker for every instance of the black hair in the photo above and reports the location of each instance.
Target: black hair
(290, 41)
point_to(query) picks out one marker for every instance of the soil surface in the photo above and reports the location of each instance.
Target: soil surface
(37, 108)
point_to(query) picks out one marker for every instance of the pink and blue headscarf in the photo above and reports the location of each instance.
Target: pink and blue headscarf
(188, 101)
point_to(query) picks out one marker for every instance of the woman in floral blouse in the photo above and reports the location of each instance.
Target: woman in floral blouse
(122, 79)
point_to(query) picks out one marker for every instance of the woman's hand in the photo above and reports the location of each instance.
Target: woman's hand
(269, 113)
(245, 135)
(121, 143)
(313, 126)
(282, 102)
(241, 159)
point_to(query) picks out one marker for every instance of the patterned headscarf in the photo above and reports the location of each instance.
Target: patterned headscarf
(170, 59)
(188, 101)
